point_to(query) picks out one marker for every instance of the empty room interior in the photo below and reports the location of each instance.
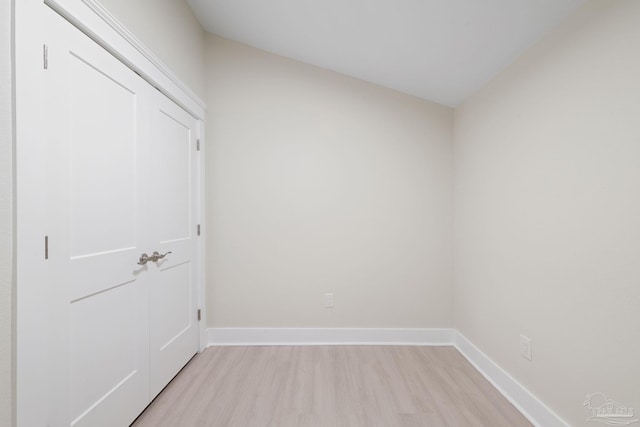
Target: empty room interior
(319, 213)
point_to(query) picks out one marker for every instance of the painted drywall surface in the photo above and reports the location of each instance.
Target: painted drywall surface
(6, 215)
(170, 30)
(547, 212)
(319, 183)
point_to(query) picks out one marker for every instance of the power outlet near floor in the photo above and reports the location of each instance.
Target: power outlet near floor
(328, 300)
(525, 347)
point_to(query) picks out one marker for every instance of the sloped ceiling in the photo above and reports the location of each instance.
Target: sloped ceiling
(440, 50)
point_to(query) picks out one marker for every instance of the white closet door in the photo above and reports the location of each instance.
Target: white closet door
(173, 317)
(98, 112)
(121, 182)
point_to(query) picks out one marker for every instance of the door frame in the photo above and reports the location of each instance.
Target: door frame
(31, 308)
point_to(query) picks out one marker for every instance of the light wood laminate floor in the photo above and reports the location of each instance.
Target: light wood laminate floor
(348, 386)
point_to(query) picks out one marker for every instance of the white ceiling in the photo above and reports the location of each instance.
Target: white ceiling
(440, 50)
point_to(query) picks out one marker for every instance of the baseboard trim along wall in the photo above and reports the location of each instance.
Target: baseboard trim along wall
(529, 405)
(526, 402)
(328, 336)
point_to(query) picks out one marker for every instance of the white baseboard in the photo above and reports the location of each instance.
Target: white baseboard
(329, 336)
(529, 405)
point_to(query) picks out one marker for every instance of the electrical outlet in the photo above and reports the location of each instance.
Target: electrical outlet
(328, 300)
(525, 347)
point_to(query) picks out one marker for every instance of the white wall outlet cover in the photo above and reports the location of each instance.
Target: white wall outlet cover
(328, 300)
(525, 347)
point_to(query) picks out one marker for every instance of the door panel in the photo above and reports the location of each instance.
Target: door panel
(172, 304)
(172, 343)
(99, 336)
(173, 323)
(172, 176)
(103, 161)
(98, 329)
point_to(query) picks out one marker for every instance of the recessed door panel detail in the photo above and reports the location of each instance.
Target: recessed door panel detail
(104, 346)
(171, 314)
(172, 177)
(173, 319)
(103, 161)
(99, 273)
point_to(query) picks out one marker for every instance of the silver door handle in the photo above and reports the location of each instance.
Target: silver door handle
(144, 258)
(155, 256)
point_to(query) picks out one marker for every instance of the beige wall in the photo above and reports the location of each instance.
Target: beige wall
(547, 212)
(319, 183)
(6, 215)
(170, 30)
